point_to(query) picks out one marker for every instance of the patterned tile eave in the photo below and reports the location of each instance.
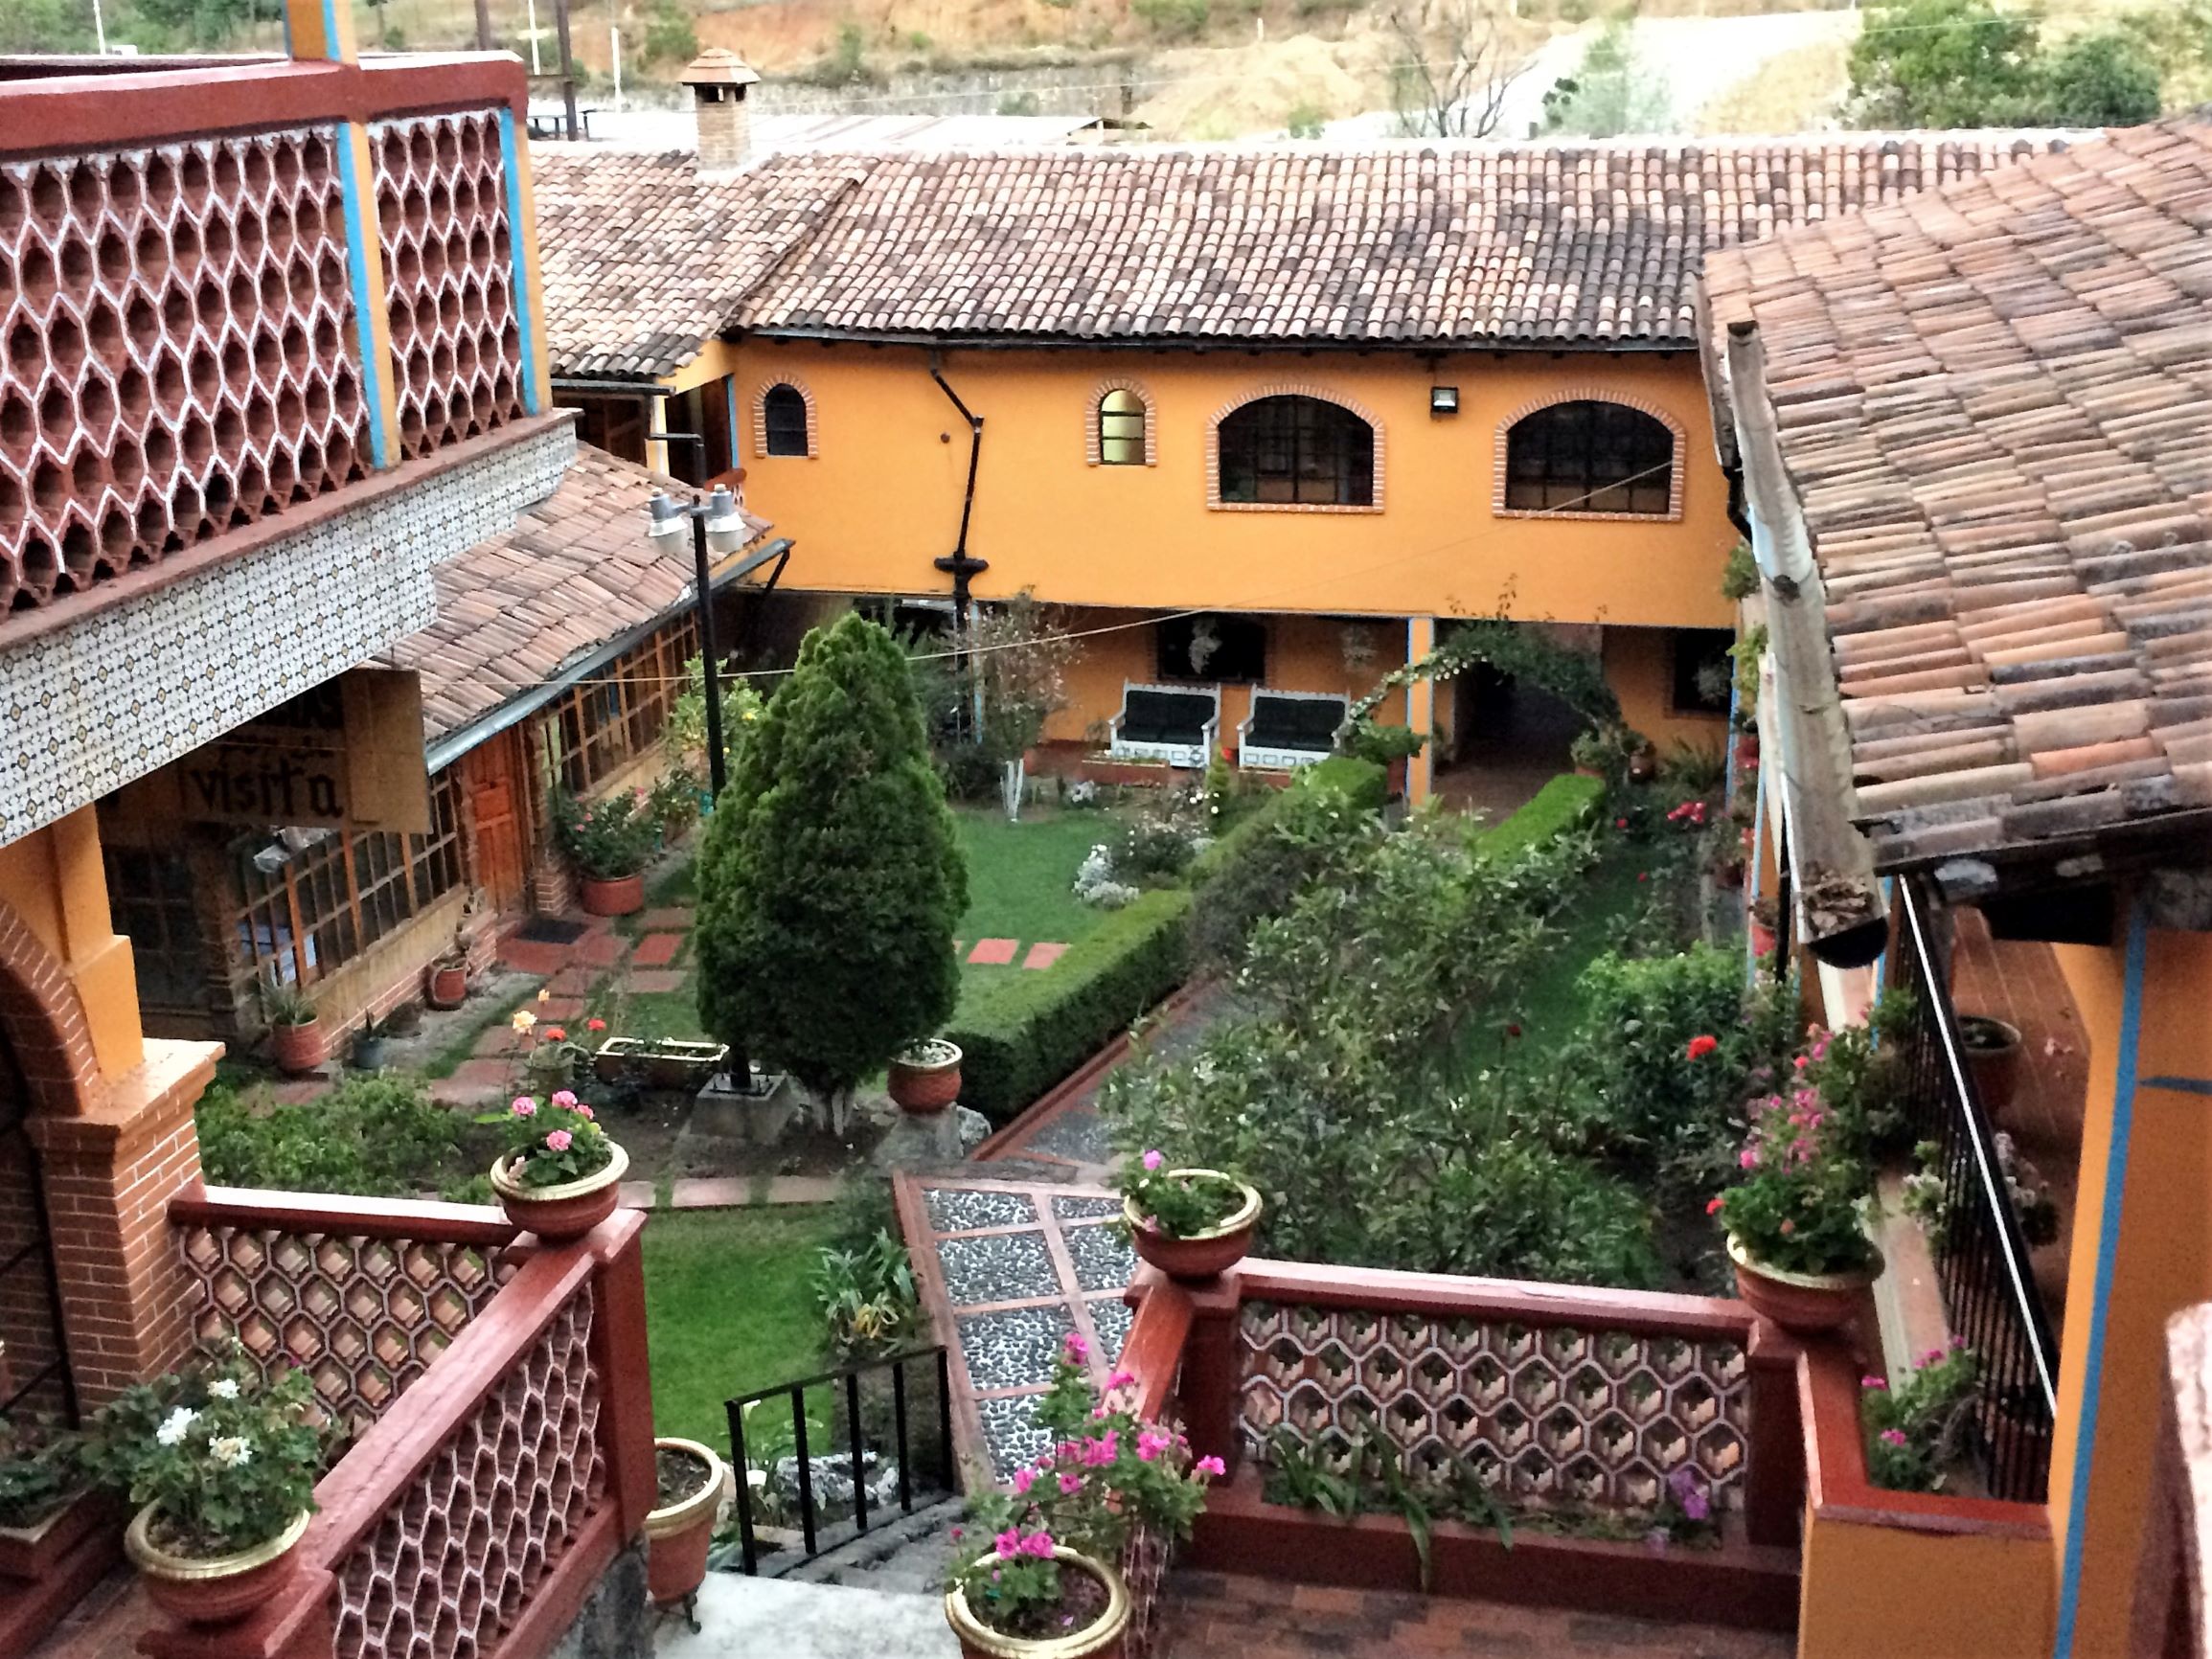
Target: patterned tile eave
(1994, 401)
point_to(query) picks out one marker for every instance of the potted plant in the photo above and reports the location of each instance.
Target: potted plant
(1917, 1432)
(47, 1501)
(1040, 1584)
(925, 1077)
(1765, 918)
(1992, 1055)
(1191, 1224)
(1802, 1256)
(558, 1176)
(680, 1528)
(445, 985)
(372, 1045)
(295, 1029)
(610, 841)
(222, 1467)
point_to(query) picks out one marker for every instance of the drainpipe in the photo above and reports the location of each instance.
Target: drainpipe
(960, 564)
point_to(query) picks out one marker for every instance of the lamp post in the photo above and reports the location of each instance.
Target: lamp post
(715, 526)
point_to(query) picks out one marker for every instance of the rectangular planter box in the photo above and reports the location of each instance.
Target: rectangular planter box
(665, 1064)
(32, 1552)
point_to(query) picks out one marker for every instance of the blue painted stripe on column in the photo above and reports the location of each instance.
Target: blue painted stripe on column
(2101, 1280)
(511, 171)
(330, 30)
(2185, 1085)
(359, 229)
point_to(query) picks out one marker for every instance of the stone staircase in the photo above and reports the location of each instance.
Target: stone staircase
(909, 1555)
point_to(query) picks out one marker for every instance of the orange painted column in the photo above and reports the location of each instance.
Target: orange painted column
(1420, 711)
(2141, 1251)
(320, 30)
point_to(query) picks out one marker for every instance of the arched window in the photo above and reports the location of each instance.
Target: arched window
(1589, 457)
(1121, 428)
(784, 422)
(1297, 450)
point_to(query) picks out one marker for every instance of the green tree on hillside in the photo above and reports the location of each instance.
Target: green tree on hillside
(831, 876)
(1958, 63)
(2099, 80)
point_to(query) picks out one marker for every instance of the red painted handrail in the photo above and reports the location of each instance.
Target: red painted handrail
(1449, 1296)
(345, 1215)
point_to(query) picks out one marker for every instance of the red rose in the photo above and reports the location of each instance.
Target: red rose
(1703, 1045)
(554, 1034)
(595, 1025)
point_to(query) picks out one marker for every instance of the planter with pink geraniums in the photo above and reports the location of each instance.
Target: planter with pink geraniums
(559, 1176)
(1794, 1222)
(1191, 1224)
(1040, 1580)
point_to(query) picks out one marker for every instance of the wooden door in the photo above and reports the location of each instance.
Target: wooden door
(493, 784)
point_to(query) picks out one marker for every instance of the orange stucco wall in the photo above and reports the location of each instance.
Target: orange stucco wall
(1640, 668)
(55, 880)
(1880, 1592)
(2160, 1244)
(1305, 653)
(881, 497)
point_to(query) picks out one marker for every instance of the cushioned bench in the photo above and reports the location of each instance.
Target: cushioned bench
(1289, 729)
(1171, 723)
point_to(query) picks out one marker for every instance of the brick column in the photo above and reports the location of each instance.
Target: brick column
(126, 1300)
(1213, 1381)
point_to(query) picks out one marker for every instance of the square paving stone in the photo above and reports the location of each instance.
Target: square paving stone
(996, 1268)
(994, 952)
(657, 949)
(603, 949)
(1103, 1258)
(653, 980)
(1014, 1348)
(530, 957)
(1043, 956)
(673, 918)
(957, 1210)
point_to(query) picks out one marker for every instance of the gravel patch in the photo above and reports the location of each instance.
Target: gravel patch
(1078, 1134)
(996, 1268)
(1016, 1348)
(956, 1210)
(1103, 1258)
(1010, 1429)
(1112, 1316)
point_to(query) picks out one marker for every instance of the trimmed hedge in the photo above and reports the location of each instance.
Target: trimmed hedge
(1565, 802)
(1361, 783)
(1032, 1029)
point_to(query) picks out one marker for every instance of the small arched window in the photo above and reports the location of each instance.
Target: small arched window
(784, 422)
(1121, 428)
(1297, 450)
(1589, 456)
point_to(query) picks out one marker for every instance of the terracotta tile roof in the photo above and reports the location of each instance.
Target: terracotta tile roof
(644, 259)
(576, 572)
(1541, 243)
(1996, 405)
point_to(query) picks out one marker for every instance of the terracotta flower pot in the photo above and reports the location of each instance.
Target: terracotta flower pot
(297, 1049)
(680, 1532)
(1100, 1639)
(613, 896)
(568, 1211)
(1805, 1303)
(1203, 1255)
(212, 1589)
(926, 1079)
(1993, 1053)
(1764, 937)
(447, 985)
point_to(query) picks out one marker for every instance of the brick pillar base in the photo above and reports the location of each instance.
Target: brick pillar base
(126, 1300)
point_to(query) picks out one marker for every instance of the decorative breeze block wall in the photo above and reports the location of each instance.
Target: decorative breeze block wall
(363, 1317)
(447, 238)
(1579, 1414)
(177, 356)
(453, 1563)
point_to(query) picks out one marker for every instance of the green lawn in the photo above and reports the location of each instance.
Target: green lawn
(728, 1309)
(1021, 880)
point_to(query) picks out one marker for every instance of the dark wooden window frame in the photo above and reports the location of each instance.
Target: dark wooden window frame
(1291, 449)
(1590, 457)
(781, 406)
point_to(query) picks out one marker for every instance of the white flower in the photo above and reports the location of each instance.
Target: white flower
(174, 1427)
(223, 1388)
(230, 1451)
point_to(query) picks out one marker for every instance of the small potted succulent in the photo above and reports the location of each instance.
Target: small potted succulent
(1801, 1252)
(559, 1175)
(1040, 1580)
(680, 1528)
(1993, 1053)
(222, 1467)
(610, 841)
(1191, 1224)
(925, 1077)
(295, 1028)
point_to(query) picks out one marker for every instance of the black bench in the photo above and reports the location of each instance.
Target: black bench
(1158, 719)
(1290, 728)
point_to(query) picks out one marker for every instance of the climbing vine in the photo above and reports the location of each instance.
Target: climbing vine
(1577, 678)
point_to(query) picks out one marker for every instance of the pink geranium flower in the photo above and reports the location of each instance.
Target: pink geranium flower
(564, 1099)
(1155, 1158)
(1078, 1350)
(524, 1106)
(1023, 1480)
(559, 1140)
(1210, 1467)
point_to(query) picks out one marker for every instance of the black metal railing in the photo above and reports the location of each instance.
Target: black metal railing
(872, 1421)
(1981, 1259)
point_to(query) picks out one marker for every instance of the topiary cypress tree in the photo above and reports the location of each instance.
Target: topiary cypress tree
(831, 876)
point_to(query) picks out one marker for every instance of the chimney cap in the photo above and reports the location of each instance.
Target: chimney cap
(719, 66)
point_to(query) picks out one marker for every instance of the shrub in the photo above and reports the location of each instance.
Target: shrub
(608, 838)
(1260, 865)
(1917, 1430)
(380, 1136)
(1567, 801)
(1175, 19)
(831, 877)
(1030, 1030)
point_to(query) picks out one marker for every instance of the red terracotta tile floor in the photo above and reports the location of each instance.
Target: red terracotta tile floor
(1232, 1616)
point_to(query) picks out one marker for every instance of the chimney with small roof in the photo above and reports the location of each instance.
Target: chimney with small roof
(717, 79)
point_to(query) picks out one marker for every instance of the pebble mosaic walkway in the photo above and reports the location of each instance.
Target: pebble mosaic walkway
(1011, 1268)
